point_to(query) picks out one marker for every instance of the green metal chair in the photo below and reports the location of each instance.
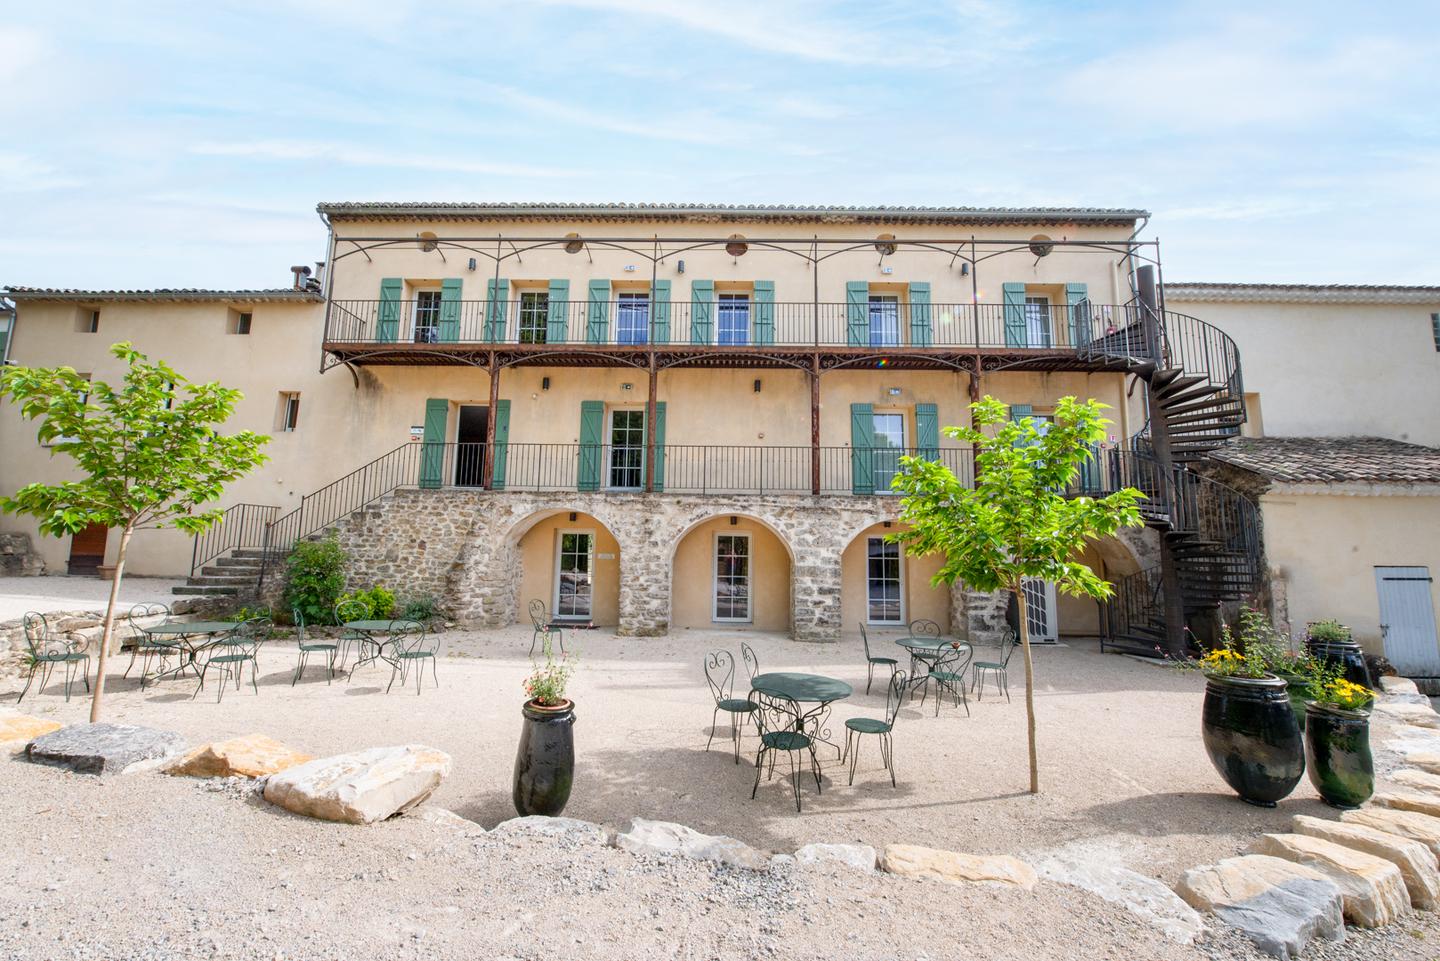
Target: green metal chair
(327, 648)
(45, 649)
(980, 669)
(412, 644)
(146, 647)
(720, 675)
(871, 660)
(948, 673)
(781, 724)
(230, 652)
(752, 663)
(542, 623)
(351, 611)
(858, 727)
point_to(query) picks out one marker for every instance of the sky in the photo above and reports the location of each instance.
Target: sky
(186, 144)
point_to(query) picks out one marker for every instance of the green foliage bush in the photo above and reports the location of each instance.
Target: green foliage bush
(422, 609)
(314, 578)
(377, 601)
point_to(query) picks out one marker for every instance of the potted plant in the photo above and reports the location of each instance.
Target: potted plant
(1337, 740)
(545, 760)
(1331, 641)
(1280, 657)
(1248, 726)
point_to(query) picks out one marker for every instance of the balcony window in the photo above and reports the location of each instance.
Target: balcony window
(884, 320)
(889, 432)
(632, 318)
(627, 449)
(1037, 320)
(734, 318)
(427, 316)
(534, 316)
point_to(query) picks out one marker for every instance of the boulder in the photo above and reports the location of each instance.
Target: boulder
(1395, 684)
(1420, 715)
(253, 755)
(1417, 863)
(860, 856)
(19, 728)
(676, 840)
(362, 787)
(914, 861)
(1144, 897)
(1425, 761)
(105, 748)
(1406, 824)
(1280, 905)
(569, 828)
(1417, 801)
(1419, 780)
(446, 818)
(1373, 888)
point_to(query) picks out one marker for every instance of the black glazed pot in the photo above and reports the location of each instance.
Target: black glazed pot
(1346, 655)
(1296, 691)
(1337, 752)
(545, 760)
(1252, 737)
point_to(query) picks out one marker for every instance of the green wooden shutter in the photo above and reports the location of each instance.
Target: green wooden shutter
(857, 313)
(702, 311)
(1020, 413)
(592, 432)
(659, 445)
(432, 447)
(1077, 306)
(862, 449)
(927, 431)
(1435, 329)
(387, 329)
(597, 313)
(1015, 333)
(920, 330)
(557, 324)
(660, 300)
(764, 313)
(497, 295)
(450, 311)
(501, 447)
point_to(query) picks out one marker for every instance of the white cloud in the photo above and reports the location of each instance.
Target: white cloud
(352, 156)
(21, 173)
(20, 49)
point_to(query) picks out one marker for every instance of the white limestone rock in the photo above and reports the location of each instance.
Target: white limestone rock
(1144, 897)
(569, 828)
(953, 867)
(1373, 888)
(1414, 825)
(860, 856)
(1417, 863)
(105, 748)
(362, 787)
(1279, 905)
(667, 839)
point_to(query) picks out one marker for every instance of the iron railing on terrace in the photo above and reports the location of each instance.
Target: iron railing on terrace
(631, 323)
(240, 526)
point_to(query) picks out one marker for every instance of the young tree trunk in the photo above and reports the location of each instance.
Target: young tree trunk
(1024, 630)
(108, 630)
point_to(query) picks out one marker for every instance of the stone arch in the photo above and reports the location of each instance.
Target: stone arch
(692, 564)
(1122, 553)
(534, 543)
(914, 599)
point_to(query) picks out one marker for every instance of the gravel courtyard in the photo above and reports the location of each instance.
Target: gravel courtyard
(176, 867)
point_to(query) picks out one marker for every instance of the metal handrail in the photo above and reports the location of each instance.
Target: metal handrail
(240, 526)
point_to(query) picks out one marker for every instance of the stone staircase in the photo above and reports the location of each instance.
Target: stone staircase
(231, 575)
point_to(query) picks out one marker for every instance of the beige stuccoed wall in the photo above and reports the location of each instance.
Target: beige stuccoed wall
(1334, 370)
(693, 580)
(1326, 548)
(537, 557)
(920, 600)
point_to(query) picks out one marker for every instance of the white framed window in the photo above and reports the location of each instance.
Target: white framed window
(427, 316)
(732, 318)
(534, 316)
(87, 321)
(7, 319)
(288, 415)
(1037, 320)
(238, 323)
(884, 582)
(574, 575)
(888, 428)
(884, 320)
(732, 578)
(632, 318)
(626, 467)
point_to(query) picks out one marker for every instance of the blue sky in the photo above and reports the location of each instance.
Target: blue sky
(152, 145)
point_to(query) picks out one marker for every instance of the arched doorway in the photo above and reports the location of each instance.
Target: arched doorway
(883, 587)
(1110, 558)
(571, 561)
(731, 571)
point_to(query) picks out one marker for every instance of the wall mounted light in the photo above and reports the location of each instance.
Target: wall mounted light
(757, 385)
(965, 269)
(887, 270)
(734, 520)
(887, 523)
(544, 383)
(572, 517)
(680, 266)
(472, 263)
(626, 386)
(629, 268)
(894, 391)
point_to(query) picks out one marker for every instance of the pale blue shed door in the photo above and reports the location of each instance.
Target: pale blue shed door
(1407, 620)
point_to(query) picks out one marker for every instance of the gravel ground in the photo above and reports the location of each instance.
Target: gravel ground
(1123, 770)
(59, 592)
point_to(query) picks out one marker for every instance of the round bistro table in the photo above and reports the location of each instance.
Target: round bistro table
(925, 645)
(814, 689)
(187, 637)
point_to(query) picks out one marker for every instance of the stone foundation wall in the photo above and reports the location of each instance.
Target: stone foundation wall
(18, 557)
(85, 624)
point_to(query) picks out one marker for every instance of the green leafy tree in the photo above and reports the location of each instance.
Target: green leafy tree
(147, 450)
(1017, 521)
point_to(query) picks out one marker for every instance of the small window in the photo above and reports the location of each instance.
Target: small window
(1435, 329)
(288, 417)
(87, 321)
(534, 316)
(5, 321)
(427, 316)
(239, 322)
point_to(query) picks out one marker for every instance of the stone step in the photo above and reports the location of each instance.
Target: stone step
(1278, 904)
(1414, 825)
(236, 563)
(217, 580)
(254, 553)
(1373, 889)
(1419, 780)
(1417, 863)
(208, 591)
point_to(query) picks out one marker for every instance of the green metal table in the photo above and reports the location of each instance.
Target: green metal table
(814, 689)
(920, 646)
(371, 628)
(188, 637)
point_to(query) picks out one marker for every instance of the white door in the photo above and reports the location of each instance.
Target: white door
(1407, 620)
(1040, 613)
(732, 577)
(574, 582)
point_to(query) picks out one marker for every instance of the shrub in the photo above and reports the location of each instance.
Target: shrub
(424, 609)
(1328, 632)
(314, 578)
(377, 601)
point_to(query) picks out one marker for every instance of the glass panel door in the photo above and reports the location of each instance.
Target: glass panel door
(884, 320)
(889, 431)
(732, 577)
(574, 588)
(632, 318)
(1040, 617)
(1037, 321)
(734, 317)
(882, 582)
(627, 449)
(427, 316)
(534, 315)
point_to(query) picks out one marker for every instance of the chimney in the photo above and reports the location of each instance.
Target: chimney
(300, 273)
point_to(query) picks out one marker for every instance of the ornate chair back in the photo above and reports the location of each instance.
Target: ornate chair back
(720, 674)
(410, 636)
(37, 633)
(1008, 643)
(752, 663)
(538, 616)
(775, 714)
(954, 658)
(865, 639)
(924, 628)
(298, 616)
